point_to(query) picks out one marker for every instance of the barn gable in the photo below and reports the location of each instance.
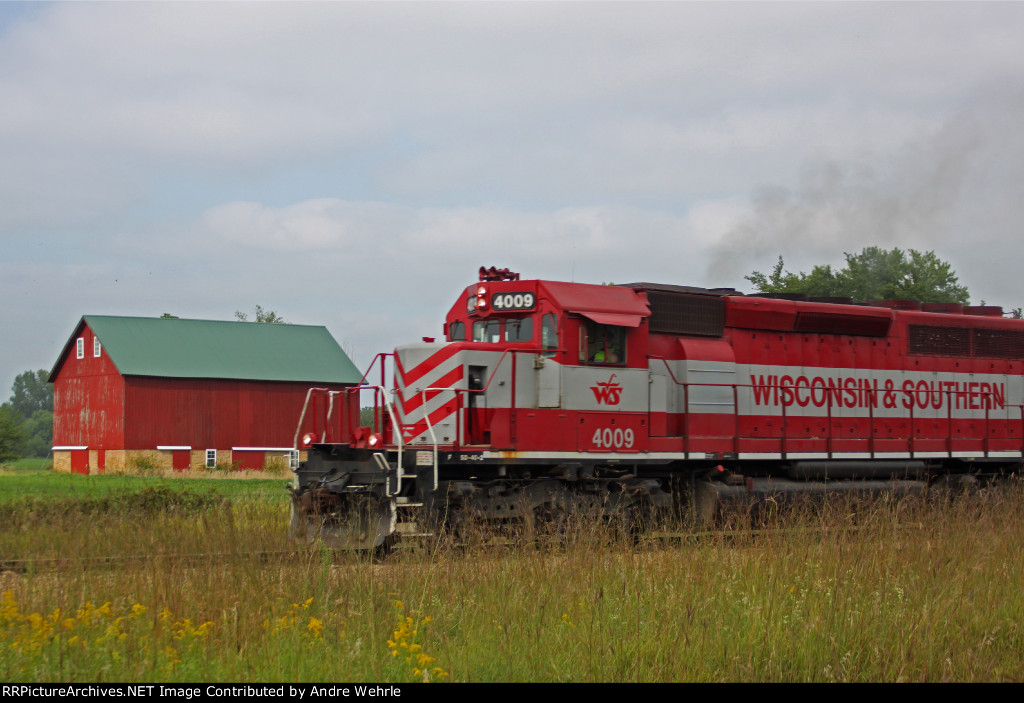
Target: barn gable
(177, 348)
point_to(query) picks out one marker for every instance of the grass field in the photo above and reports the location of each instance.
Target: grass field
(897, 591)
(29, 463)
(17, 482)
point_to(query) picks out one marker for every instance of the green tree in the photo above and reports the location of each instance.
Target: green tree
(261, 316)
(37, 434)
(10, 434)
(30, 392)
(31, 410)
(873, 274)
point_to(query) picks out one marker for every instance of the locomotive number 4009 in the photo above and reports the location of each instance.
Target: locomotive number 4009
(609, 438)
(513, 301)
(601, 432)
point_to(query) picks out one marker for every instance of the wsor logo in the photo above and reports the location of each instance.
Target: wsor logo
(608, 392)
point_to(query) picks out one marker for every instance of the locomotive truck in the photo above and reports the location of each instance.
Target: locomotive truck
(547, 398)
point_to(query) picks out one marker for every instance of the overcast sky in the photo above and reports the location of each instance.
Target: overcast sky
(352, 165)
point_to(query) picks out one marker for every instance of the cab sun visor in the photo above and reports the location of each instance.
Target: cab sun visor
(612, 318)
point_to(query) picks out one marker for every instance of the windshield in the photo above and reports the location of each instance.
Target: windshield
(518, 329)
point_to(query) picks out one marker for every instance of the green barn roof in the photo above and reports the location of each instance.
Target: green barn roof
(177, 348)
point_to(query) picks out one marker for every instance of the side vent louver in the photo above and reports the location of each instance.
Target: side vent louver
(682, 313)
(999, 344)
(934, 340)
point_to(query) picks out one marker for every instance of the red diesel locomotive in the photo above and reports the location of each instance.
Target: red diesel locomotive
(548, 397)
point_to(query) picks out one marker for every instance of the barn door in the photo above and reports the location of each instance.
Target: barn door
(80, 461)
(181, 459)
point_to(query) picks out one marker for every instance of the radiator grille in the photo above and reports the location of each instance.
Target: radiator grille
(932, 340)
(682, 313)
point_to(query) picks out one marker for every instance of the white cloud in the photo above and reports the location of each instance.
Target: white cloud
(360, 232)
(540, 91)
(354, 163)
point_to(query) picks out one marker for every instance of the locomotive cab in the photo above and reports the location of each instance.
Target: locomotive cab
(532, 347)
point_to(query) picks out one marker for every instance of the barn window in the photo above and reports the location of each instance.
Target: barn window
(80, 348)
(211, 458)
(293, 459)
(96, 349)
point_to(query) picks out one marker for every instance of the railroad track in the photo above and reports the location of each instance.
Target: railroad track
(306, 554)
(56, 564)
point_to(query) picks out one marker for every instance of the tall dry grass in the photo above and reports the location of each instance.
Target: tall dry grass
(888, 591)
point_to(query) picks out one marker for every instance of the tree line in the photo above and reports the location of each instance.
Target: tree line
(873, 274)
(26, 419)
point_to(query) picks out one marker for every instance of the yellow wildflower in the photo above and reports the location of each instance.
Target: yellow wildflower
(316, 628)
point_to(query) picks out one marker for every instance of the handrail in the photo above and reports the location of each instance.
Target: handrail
(512, 403)
(786, 395)
(455, 391)
(302, 415)
(986, 396)
(383, 370)
(330, 412)
(498, 366)
(430, 426)
(396, 432)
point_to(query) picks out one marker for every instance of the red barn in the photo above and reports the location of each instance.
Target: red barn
(136, 393)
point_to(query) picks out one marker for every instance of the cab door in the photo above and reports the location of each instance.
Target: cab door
(549, 376)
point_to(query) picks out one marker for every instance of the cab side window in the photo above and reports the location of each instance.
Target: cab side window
(549, 334)
(457, 331)
(603, 344)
